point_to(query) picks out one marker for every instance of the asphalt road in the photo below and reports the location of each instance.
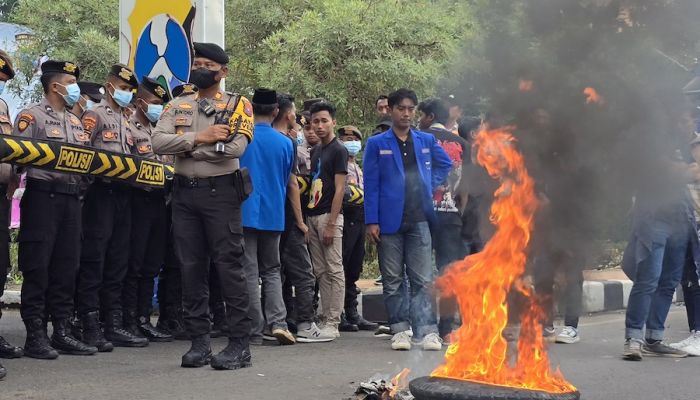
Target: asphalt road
(329, 370)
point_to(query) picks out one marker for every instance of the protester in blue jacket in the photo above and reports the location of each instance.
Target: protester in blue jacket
(402, 168)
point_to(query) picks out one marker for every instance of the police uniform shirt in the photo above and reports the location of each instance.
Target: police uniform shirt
(176, 131)
(6, 127)
(108, 129)
(40, 121)
(141, 137)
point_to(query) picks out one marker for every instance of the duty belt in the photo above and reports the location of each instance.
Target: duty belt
(71, 189)
(211, 182)
(82, 160)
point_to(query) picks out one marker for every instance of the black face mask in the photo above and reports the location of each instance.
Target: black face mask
(203, 78)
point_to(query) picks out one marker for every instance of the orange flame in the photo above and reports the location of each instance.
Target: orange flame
(399, 382)
(526, 85)
(482, 281)
(592, 96)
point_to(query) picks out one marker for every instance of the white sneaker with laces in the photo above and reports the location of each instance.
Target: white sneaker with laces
(330, 330)
(691, 346)
(401, 341)
(685, 342)
(431, 342)
(313, 335)
(568, 335)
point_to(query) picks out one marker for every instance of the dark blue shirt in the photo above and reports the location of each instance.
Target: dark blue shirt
(269, 159)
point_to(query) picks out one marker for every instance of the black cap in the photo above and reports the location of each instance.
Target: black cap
(310, 102)
(185, 89)
(263, 96)
(152, 86)
(92, 90)
(6, 65)
(385, 121)
(123, 72)
(350, 130)
(211, 51)
(61, 67)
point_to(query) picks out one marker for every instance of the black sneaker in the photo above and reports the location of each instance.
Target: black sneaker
(661, 349)
(9, 351)
(235, 356)
(633, 350)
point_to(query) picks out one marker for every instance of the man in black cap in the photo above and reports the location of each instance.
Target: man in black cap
(149, 220)
(8, 183)
(207, 204)
(104, 259)
(49, 242)
(90, 95)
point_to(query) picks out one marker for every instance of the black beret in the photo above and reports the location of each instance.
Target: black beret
(6, 65)
(309, 103)
(123, 72)
(152, 86)
(62, 67)
(185, 89)
(92, 90)
(264, 96)
(211, 51)
(350, 130)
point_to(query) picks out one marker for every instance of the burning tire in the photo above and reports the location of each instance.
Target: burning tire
(426, 388)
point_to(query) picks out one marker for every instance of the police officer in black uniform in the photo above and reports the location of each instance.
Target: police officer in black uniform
(49, 241)
(149, 220)
(207, 206)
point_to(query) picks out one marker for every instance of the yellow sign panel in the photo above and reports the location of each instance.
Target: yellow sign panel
(151, 173)
(74, 160)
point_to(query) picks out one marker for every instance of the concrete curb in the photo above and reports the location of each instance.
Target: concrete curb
(598, 296)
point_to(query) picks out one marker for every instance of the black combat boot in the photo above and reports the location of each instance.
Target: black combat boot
(236, 355)
(92, 333)
(131, 324)
(3, 372)
(115, 332)
(170, 321)
(76, 328)
(219, 323)
(199, 354)
(65, 343)
(9, 351)
(347, 326)
(152, 333)
(354, 317)
(37, 343)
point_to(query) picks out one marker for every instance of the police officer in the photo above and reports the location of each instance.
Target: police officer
(8, 183)
(49, 242)
(207, 206)
(149, 220)
(90, 95)
(107, 224)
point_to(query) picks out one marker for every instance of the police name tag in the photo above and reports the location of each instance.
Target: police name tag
(385, 152)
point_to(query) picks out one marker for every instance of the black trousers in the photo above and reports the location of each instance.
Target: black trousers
(353, 256)
(104, 258)
(149, 221)
(207, 227)
(298, 273)
(49, 253)
(4, 238)
(170, 279)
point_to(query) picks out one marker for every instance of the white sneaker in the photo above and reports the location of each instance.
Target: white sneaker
(568, 335)
(313, 335)
(431, 342)
(685, 342)
(401, 341)
(330, 330)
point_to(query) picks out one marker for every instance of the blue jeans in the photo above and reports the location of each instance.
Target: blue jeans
(656, 278)
(411, 247)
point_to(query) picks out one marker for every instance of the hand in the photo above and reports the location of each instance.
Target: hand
(329, 234)
(213, 134)
(305, 230)
(373, 233)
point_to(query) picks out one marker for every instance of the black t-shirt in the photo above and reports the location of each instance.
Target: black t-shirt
(413, 204)
(447, 198)
(326, 162)
(288, 211)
